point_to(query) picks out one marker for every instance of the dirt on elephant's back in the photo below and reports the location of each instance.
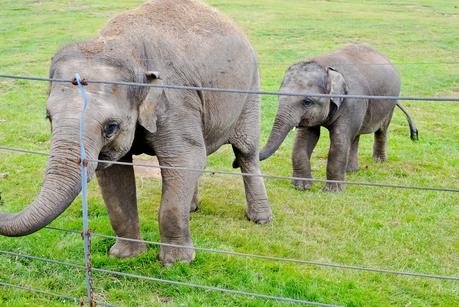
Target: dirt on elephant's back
(149, 170)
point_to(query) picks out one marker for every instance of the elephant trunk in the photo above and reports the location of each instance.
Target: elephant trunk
(281, 127)
(61, 185)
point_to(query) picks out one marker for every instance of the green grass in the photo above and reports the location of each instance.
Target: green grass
(406, 230)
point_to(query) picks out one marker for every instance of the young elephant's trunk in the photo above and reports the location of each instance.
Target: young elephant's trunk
(281, 127)
(61, 185)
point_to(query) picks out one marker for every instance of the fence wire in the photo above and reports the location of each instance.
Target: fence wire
(172, 282)
(76, 300)
(280, 259)
(234, 91)
(274, 177)
(7, 285)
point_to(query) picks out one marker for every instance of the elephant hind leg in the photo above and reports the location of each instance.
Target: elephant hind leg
(258, 209)
(245, 142)
(380, 142)
(379, 146)
(117, 184)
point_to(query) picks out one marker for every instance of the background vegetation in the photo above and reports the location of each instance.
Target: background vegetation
(406, 230)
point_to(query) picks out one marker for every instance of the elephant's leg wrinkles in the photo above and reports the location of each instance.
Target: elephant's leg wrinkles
(306, 140)
(338, 157)
(379, 146)
(179, 189)
(247, 157)
(258, 209)
(117, 184)
(353, 162)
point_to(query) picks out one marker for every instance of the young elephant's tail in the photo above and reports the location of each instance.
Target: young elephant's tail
(413, 130)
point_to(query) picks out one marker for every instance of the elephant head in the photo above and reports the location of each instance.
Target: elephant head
(296, 111)
(111, 118)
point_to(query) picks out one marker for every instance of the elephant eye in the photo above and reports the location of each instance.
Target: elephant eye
(111, 129)
(307, 102)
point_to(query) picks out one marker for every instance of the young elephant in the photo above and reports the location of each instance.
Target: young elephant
(190, 44)
(353, 70)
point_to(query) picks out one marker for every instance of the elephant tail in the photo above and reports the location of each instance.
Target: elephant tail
(414, 135)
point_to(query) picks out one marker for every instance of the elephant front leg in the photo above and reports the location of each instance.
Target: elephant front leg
(258, 209)
(306, 140)
(353, 163)
(337, 160)
(117, 184)
(178, 193)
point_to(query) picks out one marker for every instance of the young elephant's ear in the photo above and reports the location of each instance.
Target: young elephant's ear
(337, 85)
(150, 106)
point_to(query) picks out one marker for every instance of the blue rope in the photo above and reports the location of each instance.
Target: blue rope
(84, 180)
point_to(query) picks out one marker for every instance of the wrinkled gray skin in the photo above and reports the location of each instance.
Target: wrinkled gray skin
(189, 44)
(353, 70)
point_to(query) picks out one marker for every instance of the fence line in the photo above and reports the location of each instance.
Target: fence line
(272, 258)
(299, 58)
(234, 91)
(172, 282)
(273, 177)
(76, 300)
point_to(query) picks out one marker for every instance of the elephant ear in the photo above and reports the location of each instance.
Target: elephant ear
(337, 86)
(148, 108)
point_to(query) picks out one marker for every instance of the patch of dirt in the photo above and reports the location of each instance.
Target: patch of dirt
(80, 7)
(5, 85)
(409, 6)
(165, 300)
(147, 172)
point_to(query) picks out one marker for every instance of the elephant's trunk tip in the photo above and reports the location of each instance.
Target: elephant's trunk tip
(264, 155)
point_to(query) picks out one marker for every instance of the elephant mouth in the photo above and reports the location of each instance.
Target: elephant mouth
(303, 124)
(105, 157)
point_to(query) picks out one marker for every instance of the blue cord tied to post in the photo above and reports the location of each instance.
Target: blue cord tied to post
(86, 233)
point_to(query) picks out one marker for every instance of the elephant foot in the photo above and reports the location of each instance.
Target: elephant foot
(259, 214)
(301, 185)
(352, 169)
(379, 158)
(170, 255)
(333, 187)
(125, 249)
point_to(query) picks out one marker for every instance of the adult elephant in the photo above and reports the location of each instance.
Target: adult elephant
(164, 41)
(353, 70)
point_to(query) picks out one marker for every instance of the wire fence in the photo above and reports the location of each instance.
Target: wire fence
(266, 62)
(229, 90)
(87, 234)
(239, 174)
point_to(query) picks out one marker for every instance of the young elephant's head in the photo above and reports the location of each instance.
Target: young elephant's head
(296, 111)
(110, 121)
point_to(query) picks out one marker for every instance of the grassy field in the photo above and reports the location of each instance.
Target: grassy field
(405, 230)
